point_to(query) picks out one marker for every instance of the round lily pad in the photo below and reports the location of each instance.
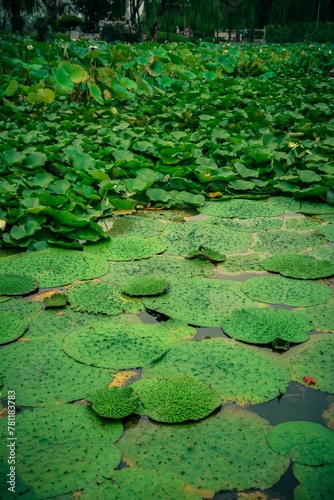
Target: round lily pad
(249, 263)
(145, 286)
(239, 373)
(243, 209)
(315, 359)
(175, 398)
(315, 482)
(55, 266)
(276, 242)
(200, 302)
(53, 436)
(327, 218)
(127, 248)
(324, 253)
(311, 207)
(327, 231)
(306, 443)
(130, 225)
(113, 402)
(322, 315)
(252, 225)
(298, 266)
(281, 290)
(287, 204)
(13, 326)
(260, 326)
(17, 284)
(301, 223)
(226, 451)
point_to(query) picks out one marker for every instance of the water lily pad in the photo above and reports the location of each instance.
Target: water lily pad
(145, 286)
(298, 266)
(315, 482)
(242, 209)
(281, 290)
(55, 266)
(249, 263)
(327, 218)
(311, 207)
(17, 284)
(228, 450)
(252, 225)
(53, 436)
(260, 326)
(287, 204)
(113, 402)
(327, 231)
(175, 398)
(301, 223)
(237, 372)
(306, 443)
(200, 302)
(323, 253)
(276, 242)
(13, 326)
(130, 225)
(127, 248)
(206, 254)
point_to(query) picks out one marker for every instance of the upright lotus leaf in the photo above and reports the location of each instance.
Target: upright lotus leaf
(301, 223)
(160, 266)
(130, 225)
(127, 248)
(281, 290)
(113, 402)
(175, 398)
(145, 286)
(242, 209)
(260, 326)
(327, 231)
(53, 436)
(55, 266)
(315, 482)
(311, 207)
(137, 483)
(226, 451)
(206, 254)
(200, 302)
(99, 297)
(298, 266)
(252, 225)
(248, 263)
(277, 242)
(322, 315)
(237, 372)
(315, 359)
(17, 284)
(118, 347)
(183, 238)
(305, 443)
(13, 326)
(56, 300)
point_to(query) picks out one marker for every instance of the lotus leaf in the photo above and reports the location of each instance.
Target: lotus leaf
(274, 242)
(228, 450)
(315, 482)
(175, 398)
(206, 254)
(127, 248)
(129, 225)
(301, 224)
(252, 225)
(56, 300)
(99, 297)
(200, 302)
(315, 359)
(298, 266)
(17, 284)
(281, 290)
(248, 263)
(53, 436)
(55, 266)
(310, 207)
(118, 347)
(145, 286)
(260, 326)
(113, 402)
(13, 326)
(235, 371)
(242, 209)
(328, 417)
(306, 443)
(137, 483)
(168, 268)
(327, 231)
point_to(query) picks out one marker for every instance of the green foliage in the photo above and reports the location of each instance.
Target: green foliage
(17, 284)
(56, 300)
(113, 402)
(118, 32)
(277, 242)
(321, 315)
(207, 254)
(315, 482)
(298, 266)
(300, 32)
(243, 209)
(127, 248)
(129, 225)
(145, 286)
(13, 326)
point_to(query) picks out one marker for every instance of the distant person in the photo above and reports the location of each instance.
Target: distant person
(154, 31)
(177, 31)
(244, 35)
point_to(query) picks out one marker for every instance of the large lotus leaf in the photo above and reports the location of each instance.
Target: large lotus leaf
(298, 266)
(175, 398)
(322, 315)
(315, 482)
(310, 207)
(130, 225)
(248, 263)
(99, 297)
(274, 242)
(136, 483)
(306, 443)
(252, 225)
(327, 231)
(242, 209)
(260, 326)
(13, 325)
(145, 286)
(228, 450)
(183, 238)
(55, 266)
(301, 224)
(118, 347)
(239, 373)
(128, 248)
(17, 284)
(281, 290)
(113, 402)
(200, 302)
(52, 457)
(168, 268)
(315, 359)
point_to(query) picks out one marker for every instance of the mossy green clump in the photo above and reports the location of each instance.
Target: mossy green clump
(17, 284)
(298, 266)
(145, 286)
(55, 300)
(175, 398)
(206, 254)
(113, 402)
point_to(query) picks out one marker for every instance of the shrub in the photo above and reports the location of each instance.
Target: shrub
(301, 32)
(118, 32)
